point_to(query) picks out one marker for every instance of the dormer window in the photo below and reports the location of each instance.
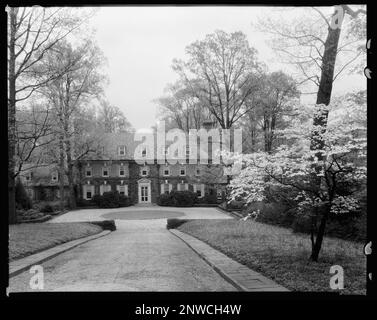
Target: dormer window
(54, 177)
(88, 172)
(121, 150)
(182, 171)
(105, 172)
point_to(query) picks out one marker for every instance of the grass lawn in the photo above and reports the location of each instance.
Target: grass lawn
(282, 255)
(28, 238)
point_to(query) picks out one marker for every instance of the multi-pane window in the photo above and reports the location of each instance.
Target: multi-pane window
(182, 171)
(105, 172)
(122, 172)
(104, 188)
(199, 189)
(123, 189)
(182, 186)
(122, 150)
(166, 188)
(88, 172)
(88, 191)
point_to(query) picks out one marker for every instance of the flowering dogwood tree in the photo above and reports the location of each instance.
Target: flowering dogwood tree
(340, 174)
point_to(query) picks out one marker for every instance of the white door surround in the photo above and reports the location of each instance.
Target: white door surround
(144, 191)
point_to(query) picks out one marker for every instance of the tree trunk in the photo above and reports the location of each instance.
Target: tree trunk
(320, 119)
(61, 172)
(319, 239)
(12, 117)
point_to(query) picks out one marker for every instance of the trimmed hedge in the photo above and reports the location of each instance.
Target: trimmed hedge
(105, 224)
(186, 199)
(111, 199)
(177, 199)
(173, 223)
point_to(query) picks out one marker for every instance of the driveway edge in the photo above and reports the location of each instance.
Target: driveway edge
(240, 276)
(18, 266)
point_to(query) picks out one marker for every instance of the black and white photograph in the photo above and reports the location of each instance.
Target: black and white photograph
(188, 148)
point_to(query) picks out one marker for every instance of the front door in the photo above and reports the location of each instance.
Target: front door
(144, 193)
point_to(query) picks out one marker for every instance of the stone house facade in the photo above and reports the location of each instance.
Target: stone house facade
(114, 168)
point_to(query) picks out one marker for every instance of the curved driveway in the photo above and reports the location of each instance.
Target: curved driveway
(141, 255)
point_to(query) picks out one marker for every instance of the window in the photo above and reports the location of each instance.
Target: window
(199, 190)
(166, 171)
(122, 150)
(197, 172)
(123, 189)
(88, 172)
(104, 188)
(166, 188)
(122, 172)
(105, 172)
(54, 177)
(182, 186)
(182, 171)
(144, 171)
(88, 192)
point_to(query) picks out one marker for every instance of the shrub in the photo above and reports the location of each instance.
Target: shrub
(177, 199)
(22, 199)
(105, 224)
(164, 200)
(80, 202)
(47, 209)
(124, 201)
(209, 199)
(173, 223)
(236, 205)
(111, 199)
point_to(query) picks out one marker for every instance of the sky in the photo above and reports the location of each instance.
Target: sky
(140, 44)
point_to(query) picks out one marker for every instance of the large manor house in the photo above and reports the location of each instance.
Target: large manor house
(115, 169)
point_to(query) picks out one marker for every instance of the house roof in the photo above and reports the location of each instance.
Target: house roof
(41, 175)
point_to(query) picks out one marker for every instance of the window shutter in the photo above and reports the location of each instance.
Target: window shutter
(162, 188)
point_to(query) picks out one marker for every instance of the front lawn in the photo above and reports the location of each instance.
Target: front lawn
(282, 255)
(28, 238)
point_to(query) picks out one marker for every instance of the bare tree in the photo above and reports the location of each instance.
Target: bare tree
(112, 119)
(181, 108)
(67, 94)
(32, 32)
(222, 71)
